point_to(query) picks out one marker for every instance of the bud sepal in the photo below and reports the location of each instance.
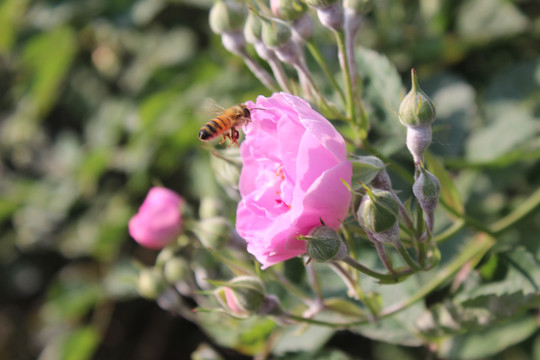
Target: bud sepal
(324, 244)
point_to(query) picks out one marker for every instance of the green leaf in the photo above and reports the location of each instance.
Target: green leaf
(449, 194)
(488, 342)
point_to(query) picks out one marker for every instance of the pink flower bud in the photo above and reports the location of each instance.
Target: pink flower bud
(158, 221)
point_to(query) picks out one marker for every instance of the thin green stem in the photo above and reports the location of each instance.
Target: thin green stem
(405, 256)
(314, 50)
(526, 208)
(386, 278)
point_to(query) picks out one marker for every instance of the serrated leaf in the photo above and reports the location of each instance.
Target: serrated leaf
(449, 194)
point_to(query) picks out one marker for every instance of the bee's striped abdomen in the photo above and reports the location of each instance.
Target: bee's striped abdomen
(214, 128)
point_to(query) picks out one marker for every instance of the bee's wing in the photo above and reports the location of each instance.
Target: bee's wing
(211, 108)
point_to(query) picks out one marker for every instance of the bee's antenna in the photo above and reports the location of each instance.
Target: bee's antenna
(257, 109)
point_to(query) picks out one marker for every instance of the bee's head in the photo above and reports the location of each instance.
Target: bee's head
(246, 111)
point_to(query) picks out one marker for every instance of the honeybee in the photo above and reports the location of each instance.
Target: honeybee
(226, 124)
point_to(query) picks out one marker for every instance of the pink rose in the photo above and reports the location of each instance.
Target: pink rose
(294, 162)
(158, 221)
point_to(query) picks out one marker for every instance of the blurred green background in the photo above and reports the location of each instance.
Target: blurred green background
(100, 100)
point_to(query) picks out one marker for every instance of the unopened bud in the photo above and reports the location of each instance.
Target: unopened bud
(366, 168)
(150, 283)
(234, 42)
(275, 33)
(227, 16)
(427, 189)
(253, 28)
(416, 109)
(243, 296)
(288, 10)
(324, 244)
(303, 28)
(330, 13)
(417, 113)
(378, 211)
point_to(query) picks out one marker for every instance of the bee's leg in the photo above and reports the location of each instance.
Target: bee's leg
(235, 135)
(226, 135)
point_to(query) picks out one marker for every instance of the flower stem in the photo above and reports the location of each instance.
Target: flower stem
(405, 256)
(386, 278)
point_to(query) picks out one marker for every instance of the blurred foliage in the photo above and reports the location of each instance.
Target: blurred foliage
(99, 100)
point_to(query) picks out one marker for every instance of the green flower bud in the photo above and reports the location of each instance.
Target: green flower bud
(324, 244)
(288, 10)
(150, 283)
(416, 109)
(332, 16)
(253, 29)
(275, 33)
(226, 16)
(378, 211)
(303, 28)
(427, 189)
(366, 168)
(243, 296)
(417, 112)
